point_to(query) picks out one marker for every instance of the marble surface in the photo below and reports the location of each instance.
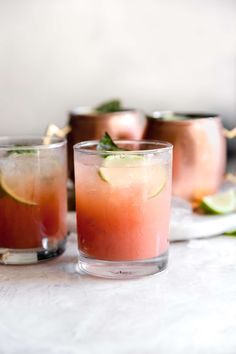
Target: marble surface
(189, 308)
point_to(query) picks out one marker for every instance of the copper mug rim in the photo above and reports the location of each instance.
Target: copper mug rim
(83, 112)
(191, 117)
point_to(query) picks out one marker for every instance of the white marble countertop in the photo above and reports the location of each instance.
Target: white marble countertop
(190, 308)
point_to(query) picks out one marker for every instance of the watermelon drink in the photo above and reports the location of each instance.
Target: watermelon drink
(33, 199)
(123, 208)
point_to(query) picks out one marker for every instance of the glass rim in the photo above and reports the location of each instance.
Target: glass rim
(9, 142)
(162, 146)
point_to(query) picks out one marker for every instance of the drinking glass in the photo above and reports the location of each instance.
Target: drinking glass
(123, 208)
(33, 199)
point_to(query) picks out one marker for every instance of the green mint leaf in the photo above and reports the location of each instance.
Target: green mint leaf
(109, 106)
(107, 144)
(22, 152)
(16, 151)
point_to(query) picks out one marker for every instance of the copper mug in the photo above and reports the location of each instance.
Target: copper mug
(199, 157)
(88, 125)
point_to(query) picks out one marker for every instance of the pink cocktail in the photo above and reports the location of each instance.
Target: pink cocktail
(123, 208)
(33, 199)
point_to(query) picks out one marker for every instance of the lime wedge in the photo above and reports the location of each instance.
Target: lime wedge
(18, 178)
(18, 191)
(221, 203)
(125, 170)
(230, 233)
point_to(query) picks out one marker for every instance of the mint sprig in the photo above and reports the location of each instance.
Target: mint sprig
(22, 152)
(109, 107)
(107, 144)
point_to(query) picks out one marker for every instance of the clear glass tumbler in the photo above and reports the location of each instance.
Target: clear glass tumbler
(123, 208)
(33, 199)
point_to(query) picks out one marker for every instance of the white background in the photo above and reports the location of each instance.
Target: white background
(154, 54)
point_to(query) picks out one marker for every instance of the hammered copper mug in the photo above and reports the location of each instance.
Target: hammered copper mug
(199, 157)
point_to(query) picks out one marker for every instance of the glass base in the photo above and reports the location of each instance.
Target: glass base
(122, 269)
(31, 256)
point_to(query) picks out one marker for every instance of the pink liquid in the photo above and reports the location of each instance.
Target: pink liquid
(120, 223)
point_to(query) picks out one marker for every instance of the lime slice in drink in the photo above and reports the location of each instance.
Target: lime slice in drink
(221, 203)
(14, 189)
(125, 170)
(18, 178)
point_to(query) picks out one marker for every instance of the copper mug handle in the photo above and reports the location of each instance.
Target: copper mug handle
(53, 130)
(230, 134)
